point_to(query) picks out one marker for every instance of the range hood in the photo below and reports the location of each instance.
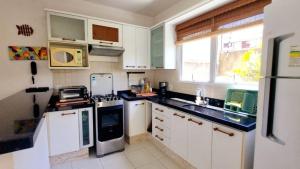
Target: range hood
(99, 50)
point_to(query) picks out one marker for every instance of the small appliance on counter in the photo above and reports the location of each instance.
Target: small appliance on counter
(73, 93)
(163, 88)
(241, 101)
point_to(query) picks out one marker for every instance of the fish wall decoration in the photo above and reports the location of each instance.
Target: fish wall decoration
(25, 30)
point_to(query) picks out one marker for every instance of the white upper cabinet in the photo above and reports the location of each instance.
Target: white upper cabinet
(66, 28)
(136, 45)
(105, 33)
(162, 47)
(199, 142)
(142, 48)
(129, 61)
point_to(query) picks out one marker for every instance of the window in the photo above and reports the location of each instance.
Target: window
(239, 56)
(196, 60)
(236, 57)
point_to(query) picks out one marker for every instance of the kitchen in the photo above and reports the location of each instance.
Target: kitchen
(165, 106)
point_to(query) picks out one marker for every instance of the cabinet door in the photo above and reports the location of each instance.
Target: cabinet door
(86, 127)
(62, 27)
(137, 118)
(199, 142)
(179, 133)
(36, 157)
(157, 47)
(105, 33)
(226, 148)
(142, 45)
(129, 44)
(63, 130)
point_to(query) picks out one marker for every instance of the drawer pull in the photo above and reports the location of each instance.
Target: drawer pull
(69, 39)
(139, 104)
(131, 66)
(161, 120)
(161, 139)
(66, 114)
(159, 128)
(159, 110)
(175, 114)
(109, 43)
(225, 132)
(194, 121)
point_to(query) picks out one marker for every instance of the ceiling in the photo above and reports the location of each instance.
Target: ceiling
(144, 7)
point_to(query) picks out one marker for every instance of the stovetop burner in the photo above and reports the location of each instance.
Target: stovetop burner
(107, 100)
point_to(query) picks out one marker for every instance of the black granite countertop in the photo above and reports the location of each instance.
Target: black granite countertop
(20, 116)
(239, 122)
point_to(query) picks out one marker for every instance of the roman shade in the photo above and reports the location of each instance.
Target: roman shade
(234, 15)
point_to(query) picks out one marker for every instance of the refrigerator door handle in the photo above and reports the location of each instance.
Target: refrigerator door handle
(270, 90)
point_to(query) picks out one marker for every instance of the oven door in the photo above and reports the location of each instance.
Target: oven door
(110, 123)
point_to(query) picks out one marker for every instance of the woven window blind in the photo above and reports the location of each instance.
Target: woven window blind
(235, 15)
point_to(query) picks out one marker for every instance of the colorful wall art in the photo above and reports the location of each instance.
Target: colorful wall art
(27, 53)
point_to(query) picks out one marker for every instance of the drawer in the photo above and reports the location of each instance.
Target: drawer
(162, 139)
(161, 130)
(161, 120)
(161, 110)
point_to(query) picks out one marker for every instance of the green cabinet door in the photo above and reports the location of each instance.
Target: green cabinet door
(157, 47)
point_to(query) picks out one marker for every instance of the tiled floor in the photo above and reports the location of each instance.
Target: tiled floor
(137, 156)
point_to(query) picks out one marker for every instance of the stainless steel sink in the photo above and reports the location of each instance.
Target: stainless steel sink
(193, 107)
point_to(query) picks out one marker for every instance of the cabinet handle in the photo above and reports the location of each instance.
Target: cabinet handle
(69, 39)
(159, 110)
(161, 120)
(139, 104)
(161, 139)
(131, 66)
(109, 43)
(175, 114)
(66, 114)
(194, 121)
(225, 132)
(159, 128)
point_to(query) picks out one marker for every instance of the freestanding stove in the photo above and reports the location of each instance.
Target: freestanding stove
(109, 115)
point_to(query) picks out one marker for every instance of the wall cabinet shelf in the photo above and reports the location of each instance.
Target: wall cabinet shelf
(66, 28)
(162, 47)
(105, 33)
(136, 45)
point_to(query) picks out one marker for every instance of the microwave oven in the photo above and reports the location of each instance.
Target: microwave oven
(65, 57)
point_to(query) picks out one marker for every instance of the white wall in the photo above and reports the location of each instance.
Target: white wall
(82, 77)
(15, 75)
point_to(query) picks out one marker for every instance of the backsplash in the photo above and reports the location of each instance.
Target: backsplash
(82, 77)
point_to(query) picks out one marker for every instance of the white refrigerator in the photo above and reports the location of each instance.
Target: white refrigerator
(277, 144)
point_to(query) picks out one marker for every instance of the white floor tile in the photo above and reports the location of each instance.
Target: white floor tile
(116, 161)
(140, 157)
(154, 165)
(91, 163)
(62, 166)
(169, 163)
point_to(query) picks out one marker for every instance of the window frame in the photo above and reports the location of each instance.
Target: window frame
(213, 67)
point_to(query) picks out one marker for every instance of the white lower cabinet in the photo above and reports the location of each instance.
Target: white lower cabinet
(63, 130)
(135, 117)
(204, 144)
(226, 148)
(179, 134)
(199, 142)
